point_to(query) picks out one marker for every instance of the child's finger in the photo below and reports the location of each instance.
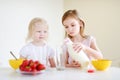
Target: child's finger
(77, 48)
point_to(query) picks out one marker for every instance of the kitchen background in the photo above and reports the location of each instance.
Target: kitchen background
(102, 18)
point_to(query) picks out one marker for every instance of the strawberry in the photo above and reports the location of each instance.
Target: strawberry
(40, 67)
(31, 66)
(21, 67)
(25, 63)
(27, 68)
(90, 71)
(37, 62)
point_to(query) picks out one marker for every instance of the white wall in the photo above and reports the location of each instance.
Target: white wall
(102, 18)
(15, 16)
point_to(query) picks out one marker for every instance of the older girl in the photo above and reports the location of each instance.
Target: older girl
(74, 28)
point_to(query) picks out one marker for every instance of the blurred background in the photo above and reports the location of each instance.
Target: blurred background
(101, 18)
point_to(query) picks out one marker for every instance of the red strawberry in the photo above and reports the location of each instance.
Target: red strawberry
(40, 67)
(90, 71)
(37, 62)
(21, 67)
(25, 63)
(33, 66)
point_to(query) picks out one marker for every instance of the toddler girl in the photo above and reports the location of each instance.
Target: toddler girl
(37, 48)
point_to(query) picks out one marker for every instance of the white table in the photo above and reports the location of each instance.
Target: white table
(113, 73)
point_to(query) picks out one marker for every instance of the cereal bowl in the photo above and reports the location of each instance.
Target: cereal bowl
(101, 64)
(15, 63)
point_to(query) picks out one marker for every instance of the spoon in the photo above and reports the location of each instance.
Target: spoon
(13, 55)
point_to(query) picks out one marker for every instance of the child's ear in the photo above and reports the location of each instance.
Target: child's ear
(81, 24)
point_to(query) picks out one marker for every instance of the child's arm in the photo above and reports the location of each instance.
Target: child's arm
(52, 62)
(93, 50)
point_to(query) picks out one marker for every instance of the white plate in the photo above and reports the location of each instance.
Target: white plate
(29, 73)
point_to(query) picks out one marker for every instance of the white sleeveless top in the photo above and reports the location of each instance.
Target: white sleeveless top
(86, 42)
(40, 53)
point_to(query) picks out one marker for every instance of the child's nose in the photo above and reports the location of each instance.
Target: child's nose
(42, 33)
(70, 29)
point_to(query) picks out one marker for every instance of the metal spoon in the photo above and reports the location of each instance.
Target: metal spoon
(13, 55)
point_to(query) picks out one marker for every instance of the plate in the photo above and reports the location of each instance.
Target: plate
(29, 73)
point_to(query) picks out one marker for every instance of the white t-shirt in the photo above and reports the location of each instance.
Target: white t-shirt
(40, 53)
(86, 42)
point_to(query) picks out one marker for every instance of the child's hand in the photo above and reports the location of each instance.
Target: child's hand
(75, 64)
(78, 47)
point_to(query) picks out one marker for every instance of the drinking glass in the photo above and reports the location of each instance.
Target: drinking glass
(60, 59)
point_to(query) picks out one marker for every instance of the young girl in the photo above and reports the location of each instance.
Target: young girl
(37, 48)
(74, 28)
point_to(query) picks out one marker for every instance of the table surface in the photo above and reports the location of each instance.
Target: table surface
(113, 73)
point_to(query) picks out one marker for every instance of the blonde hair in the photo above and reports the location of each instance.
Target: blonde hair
(74, 14)
(32, 26)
